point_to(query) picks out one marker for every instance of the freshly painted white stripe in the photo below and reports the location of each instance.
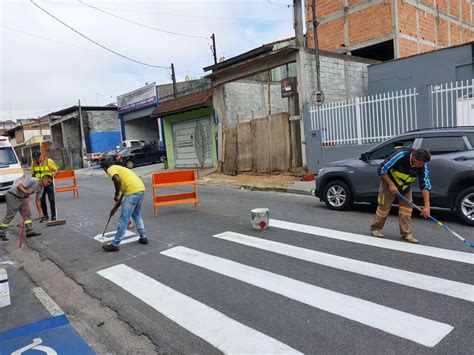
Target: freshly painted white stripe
(214, 327)
(47, 302)
(109, 236)
(420, 330)
(402, 277)
(376, 242)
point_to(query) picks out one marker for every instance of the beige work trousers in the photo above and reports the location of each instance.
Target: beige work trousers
(385, 200)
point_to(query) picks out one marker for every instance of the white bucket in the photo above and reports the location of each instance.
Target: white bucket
(260, 218)
(4, 289)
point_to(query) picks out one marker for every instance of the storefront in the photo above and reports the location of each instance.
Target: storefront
(134, 109)
(190, 130)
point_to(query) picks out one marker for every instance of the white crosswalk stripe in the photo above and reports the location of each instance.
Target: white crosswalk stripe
(231, 336)
(376, 242)
(216, 328)
(418, 329)
(424, 282)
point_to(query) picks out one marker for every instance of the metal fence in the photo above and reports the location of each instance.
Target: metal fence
(452, 104)
(367, 119)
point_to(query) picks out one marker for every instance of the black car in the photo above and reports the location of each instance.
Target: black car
(131, 157)
(451, 172)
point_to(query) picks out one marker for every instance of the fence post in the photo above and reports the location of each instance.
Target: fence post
(358, 122)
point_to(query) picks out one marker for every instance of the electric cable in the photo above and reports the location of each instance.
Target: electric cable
(140, 24)
(98, 44)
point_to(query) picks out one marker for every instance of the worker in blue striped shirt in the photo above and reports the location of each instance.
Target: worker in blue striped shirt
(397, 172)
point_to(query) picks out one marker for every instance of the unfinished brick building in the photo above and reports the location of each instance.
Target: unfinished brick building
(388, 29)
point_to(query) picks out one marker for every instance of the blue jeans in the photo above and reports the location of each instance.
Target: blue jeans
(131, 206)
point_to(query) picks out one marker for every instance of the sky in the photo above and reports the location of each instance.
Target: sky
(46, 66)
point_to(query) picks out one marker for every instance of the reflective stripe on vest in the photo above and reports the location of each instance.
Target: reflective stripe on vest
(3, 225)
(42, 170)
(402, 180)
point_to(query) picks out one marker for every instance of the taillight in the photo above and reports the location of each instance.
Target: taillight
(119, 158)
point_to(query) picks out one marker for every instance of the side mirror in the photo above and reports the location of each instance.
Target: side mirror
(364, 157)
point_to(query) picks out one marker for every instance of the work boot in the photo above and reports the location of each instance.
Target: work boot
(4, 238)
(53, 218)
(410, 238)
(110, 247)
(143, 240)
(377, 233)
(32, 234)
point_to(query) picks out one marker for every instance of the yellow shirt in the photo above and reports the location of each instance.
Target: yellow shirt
(130, 183)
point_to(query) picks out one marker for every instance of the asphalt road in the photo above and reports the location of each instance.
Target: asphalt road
(314, 291)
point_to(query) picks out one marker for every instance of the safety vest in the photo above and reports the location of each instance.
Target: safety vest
(402, 180)
(42, 169)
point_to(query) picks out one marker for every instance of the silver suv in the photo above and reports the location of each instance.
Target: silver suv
(341, 183)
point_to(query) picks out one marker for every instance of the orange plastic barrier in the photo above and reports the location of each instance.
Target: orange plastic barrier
(173, 178)
(67, 175)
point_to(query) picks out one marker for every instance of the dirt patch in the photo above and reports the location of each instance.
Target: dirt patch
(283, 180)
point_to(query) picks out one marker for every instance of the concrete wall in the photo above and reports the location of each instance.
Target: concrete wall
(438, 67)
(100, 121)
(165, 91)
(249, 99)
(342, 77)
(142, 129)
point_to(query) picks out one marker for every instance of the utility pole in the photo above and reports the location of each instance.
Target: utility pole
(213, 37)
(173, 77)
(83, 139)
(298, 25)
(316, 45)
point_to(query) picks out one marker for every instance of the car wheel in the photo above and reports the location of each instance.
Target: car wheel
(465, 206)
(338, 196)
(130, 164)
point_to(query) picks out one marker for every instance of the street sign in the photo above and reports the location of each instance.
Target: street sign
(317, 97)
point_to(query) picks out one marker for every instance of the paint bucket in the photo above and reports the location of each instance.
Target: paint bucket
(260, 218)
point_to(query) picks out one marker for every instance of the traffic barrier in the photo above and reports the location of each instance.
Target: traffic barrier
(67, 175)
(174, 178)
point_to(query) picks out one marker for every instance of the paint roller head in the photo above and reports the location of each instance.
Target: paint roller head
(56, 222)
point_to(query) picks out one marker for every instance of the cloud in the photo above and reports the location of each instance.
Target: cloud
(40, 73)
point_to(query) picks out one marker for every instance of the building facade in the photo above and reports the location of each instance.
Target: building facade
(390, 29)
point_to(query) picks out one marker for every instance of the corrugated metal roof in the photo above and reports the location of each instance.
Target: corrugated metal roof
(193, 101)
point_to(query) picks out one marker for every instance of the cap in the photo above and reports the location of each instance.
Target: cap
(36, 154)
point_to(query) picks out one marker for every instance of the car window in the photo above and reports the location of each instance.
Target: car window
(134, 144)
(443, 145)
(470, 137)
(383, 151)
(135, 151)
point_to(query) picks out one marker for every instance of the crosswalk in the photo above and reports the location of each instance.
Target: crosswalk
(231, 336)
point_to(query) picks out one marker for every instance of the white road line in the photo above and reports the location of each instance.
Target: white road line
(407, 278)
(47, 302)
(109, 236)
(376, 242)
(420, 330)
(214, 327)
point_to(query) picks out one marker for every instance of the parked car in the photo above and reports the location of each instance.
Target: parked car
(341, 183)
(131, 157)
(109, 155)
(131, 143)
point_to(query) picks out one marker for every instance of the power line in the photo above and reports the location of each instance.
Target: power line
(33, 108)
(140, 24)
(175, 15)
(280, 5)
(45, 38)
(100, 45)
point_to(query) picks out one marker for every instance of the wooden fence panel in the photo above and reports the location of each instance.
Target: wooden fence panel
(244, 147)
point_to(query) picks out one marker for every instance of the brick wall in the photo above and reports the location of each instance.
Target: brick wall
(428, 24)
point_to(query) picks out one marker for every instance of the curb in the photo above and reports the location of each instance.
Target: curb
(258, 188)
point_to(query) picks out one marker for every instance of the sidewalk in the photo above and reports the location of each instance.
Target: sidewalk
(280, 183)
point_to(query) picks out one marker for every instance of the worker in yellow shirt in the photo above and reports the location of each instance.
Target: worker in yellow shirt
(133, 193)
(42, 166)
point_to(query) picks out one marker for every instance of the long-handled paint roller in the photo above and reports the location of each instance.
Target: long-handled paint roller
(57, 221)
(465, 241)
(112, 212)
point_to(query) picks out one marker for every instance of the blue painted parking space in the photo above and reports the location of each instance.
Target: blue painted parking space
(50, 336)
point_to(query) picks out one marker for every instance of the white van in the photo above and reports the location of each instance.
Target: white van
(11, 171)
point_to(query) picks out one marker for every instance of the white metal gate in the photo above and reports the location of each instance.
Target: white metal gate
(192, 143)
(452, 104)
(367, 119)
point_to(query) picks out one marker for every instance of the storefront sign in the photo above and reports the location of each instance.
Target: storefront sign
(137, 99)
